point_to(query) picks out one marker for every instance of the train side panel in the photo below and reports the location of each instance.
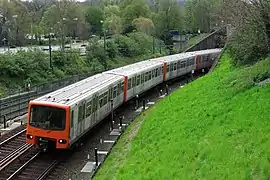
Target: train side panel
(89, 112)
(180, 67)
(141, 81)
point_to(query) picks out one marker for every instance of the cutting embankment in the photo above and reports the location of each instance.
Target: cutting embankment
(217, 127)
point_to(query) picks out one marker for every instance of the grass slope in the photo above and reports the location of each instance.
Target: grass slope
(217, 127)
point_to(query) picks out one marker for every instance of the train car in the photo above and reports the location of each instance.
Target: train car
(205, 58)
(140, 76)
(60, 118)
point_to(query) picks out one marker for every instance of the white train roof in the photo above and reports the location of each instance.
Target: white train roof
(76, 92)
(134, 68)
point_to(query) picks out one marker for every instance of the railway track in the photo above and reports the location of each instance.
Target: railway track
(12, 144)
(12, 133)
(38, 167)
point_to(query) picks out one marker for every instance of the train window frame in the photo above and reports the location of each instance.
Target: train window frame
(149, 75)
(129, 83)
(88, 108)
(100, 100)
(72, 119)
(153, 73)
(168, 68)
(110, 93)
(183, 64)
(142, 78)
(105, 97)
(171, 67)
(79, 113)
(146, 77)
(156, 72)
(178, 64)
(174, 66)
(122, 86)
(119, 89)
(138, 80)
(133, 81)
(114, 91)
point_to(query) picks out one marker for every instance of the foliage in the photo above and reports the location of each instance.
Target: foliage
(202, 14)
(94, 16)
(144, 25)
(20, 68)
(113, 24)
(190, 136)
(250, 40)
(135, 9)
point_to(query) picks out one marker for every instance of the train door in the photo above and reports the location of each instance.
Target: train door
(72, 131)
(110, 97)
(95, 108)
(119, 98)
(81, 117)
(198, 62)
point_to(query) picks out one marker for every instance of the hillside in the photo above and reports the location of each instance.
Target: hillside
(217, 127)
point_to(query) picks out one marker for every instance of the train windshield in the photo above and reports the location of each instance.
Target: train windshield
(49, 118)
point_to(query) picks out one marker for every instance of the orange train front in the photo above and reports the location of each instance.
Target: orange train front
(48, 124)
(60, 118)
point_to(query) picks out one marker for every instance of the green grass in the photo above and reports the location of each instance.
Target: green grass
(217, 127)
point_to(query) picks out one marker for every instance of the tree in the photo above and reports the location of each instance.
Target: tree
(144, 25)
(202, 14)
(94, 16)
(112, 10)
(113, 24)
(137, 8)
(169, 17)
(250, 40)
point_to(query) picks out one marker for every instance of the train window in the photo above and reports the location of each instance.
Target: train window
(88, 108)
(122, 86)
(114, 91)
(138, 80)
(178, 65)
(80, 114)
(105, 98)
(161, 70)
(183, 64)
(142, 78)
(174, 66)
(133, 82)
(171, 67)
(72, 119)
(146, 77)
(156, 73)
(153, 73)
(119, 89)
(129, 84)
(149, 77)
(110, 93)
(101, 100)
(168, 68)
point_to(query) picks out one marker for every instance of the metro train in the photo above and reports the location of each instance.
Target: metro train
(62, 117)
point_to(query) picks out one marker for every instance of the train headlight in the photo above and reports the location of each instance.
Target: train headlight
(62, 141)
(29, 136)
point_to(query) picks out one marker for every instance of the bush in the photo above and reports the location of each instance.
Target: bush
(145, 42)
(247, 45)
(111, 48)
(126, 46)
